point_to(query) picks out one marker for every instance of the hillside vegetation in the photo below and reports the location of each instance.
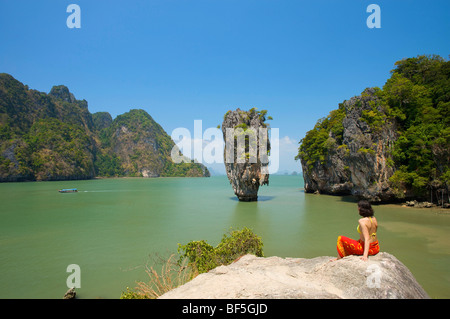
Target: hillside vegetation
(414, 104)
(54, 137)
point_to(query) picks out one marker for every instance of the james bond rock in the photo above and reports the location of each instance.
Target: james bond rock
(246, 151)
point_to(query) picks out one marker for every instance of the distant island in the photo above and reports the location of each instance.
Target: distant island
(386, 145)
(54, 137)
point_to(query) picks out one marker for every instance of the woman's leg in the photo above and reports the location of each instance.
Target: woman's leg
(374, 248)
(347, 246)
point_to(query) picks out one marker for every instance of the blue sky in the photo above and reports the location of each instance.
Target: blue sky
(186, 60)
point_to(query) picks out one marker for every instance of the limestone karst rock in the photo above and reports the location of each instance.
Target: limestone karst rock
(246, 167)
(54, 137)
(357, 158)
(389, 144)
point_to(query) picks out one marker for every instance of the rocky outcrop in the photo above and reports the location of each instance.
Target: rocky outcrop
(62, 92)
(357, 160)
(416, 204)
(390, 144)
(249, 170)
(70, 294)
(382, 276)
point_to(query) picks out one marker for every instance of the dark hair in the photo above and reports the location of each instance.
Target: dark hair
(365, 209)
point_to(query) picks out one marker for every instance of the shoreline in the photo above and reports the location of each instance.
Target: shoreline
(418, 204)
(98, 178)
(409, 203)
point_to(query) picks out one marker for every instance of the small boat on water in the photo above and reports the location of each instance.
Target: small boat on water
(68, 190)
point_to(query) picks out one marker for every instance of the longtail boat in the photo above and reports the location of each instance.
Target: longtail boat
(68, 190)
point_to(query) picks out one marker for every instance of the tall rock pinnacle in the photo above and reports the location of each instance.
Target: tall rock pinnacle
(246, 151)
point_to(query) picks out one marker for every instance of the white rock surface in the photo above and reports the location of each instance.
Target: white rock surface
(382, 276)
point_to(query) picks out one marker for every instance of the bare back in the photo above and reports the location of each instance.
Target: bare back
(368, 227)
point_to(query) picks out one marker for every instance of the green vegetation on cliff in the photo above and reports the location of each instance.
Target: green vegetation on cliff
(135, 145)
(327, 132)
(43, 136)
(418, 94)
(416, 98)
(54, 136)
(55, 149)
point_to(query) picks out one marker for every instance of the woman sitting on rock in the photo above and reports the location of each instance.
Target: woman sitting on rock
(367, 245)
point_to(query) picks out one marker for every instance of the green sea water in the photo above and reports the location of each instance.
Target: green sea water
(113, 228)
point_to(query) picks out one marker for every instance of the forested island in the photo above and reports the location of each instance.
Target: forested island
(54, 137)
(388, 144)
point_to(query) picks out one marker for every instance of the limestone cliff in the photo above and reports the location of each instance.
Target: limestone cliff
(44, 136)
(54, 137)
(246, 170)
(388, 144)
(134, 144)
(382, 277)
(357, 158)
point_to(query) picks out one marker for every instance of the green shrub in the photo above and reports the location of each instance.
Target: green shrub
(364, 150)
(374, 118)
(130, 294)
(237, 244)
(205, 257)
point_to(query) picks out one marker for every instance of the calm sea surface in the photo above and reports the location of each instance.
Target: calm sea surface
(112, 228)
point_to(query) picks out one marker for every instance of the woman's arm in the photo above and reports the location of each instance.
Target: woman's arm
(365, 232)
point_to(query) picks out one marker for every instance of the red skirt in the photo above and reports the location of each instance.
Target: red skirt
(347, 246)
